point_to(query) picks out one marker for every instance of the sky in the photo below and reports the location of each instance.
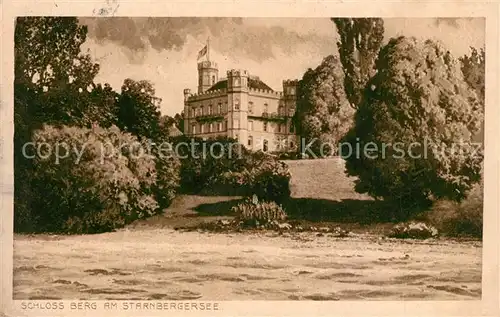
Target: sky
(164, 50)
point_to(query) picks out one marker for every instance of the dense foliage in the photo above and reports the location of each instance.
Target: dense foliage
(139, 110)
(359, 45)
(323, 114)
(54, 85)
(459, 219)
(473, 68)
(224, 166)
(103, 181)
(420, 115)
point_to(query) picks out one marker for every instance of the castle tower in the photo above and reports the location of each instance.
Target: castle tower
(208, 75)
(290, 99)
(237, 95)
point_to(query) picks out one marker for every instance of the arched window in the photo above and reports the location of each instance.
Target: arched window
(209, 109)
(219, 108)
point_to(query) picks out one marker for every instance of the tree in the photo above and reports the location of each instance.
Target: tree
(179, 121)
(51, 85)
(138, 111)
(420, 115)
(323, 113)
(473, 68)
(359, 44)
(52, 76)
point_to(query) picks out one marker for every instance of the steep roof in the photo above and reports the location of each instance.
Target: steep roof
(253, 83)
(174, 131)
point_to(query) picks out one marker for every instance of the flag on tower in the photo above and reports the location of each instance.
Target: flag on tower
(203, 52)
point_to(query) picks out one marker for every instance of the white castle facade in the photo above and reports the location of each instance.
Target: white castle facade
(242, 107)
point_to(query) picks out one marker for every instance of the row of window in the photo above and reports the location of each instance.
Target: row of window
(265, 127)
(222, 126)
(280, 143)
(209, 110)
(200, 111)
(209, 127)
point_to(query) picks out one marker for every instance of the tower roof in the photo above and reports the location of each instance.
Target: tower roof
(254, 83)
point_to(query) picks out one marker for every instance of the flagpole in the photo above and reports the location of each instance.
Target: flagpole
(208, 49)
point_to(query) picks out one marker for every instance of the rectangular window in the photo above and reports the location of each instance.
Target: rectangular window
(193, 128)
(264, 146)
(225, 125)
(201, 110)
(250, 140)
(210, 127)
(236, 105)
(219, 108)
(236, 124)
(202, 128)
(250, 107)
(265, 126)
(193, 112)
(209, 109)
(266, 108)
(250, 125)
(292, 129)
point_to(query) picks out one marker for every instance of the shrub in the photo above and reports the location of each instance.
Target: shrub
(263, 176)
(232, 169)
(95, 192)
(201, 169)
(413, 230)
(255, 212)
(459, 219)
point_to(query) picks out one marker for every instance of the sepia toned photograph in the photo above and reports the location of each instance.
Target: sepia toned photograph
(168, 160)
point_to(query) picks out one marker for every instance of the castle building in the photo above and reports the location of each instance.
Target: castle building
(242, 107)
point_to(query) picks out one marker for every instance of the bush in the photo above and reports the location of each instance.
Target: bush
(200, 169)
(459, 219)
(232, 169)
(254, 212)
(96, 192)
(264, 176)
(413, 230)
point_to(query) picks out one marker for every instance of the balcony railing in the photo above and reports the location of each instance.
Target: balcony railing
(270, 116)
(209, 117)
